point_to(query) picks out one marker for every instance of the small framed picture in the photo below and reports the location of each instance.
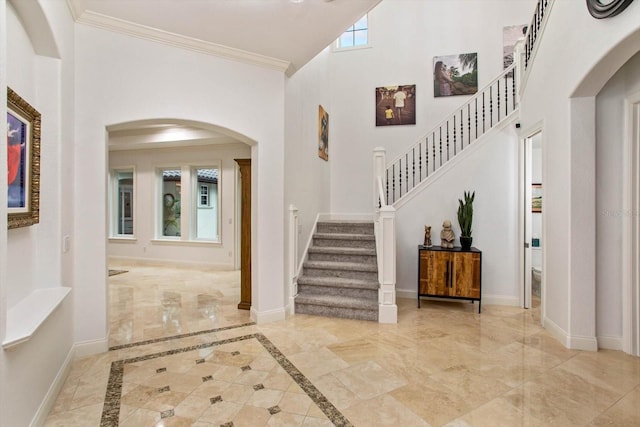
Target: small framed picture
(536, 198)
(323, 133)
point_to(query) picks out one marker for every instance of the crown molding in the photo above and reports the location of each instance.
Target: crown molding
(97, 20)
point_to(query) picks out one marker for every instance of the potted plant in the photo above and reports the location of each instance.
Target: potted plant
(465, 219)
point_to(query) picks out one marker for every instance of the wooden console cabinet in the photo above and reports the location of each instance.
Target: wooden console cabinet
(450, 273)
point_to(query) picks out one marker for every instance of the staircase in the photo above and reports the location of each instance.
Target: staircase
(340, 276)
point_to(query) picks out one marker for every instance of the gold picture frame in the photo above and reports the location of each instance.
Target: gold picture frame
(323, 133)
(23, 162)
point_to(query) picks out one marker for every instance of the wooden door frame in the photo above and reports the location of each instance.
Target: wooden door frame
(245, 233)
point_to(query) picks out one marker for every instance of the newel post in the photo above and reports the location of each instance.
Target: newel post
(385, 241)
(293, 257)
(387, 308)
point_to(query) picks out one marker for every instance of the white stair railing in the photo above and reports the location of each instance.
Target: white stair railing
(385, 231)
(484, 111)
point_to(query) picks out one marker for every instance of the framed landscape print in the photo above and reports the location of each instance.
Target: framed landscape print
(396, 105)
(23, 162)
(455, 75)
(323, 133)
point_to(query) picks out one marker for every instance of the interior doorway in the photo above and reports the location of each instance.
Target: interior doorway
(533, 262)
(631, 232)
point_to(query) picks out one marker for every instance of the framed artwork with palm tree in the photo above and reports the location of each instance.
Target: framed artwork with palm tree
(455, 74)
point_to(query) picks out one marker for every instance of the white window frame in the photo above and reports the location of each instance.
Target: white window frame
(196, 189)
(189, 203)
(159, 203)
(336, 44)
(202, 194)
(114, 199)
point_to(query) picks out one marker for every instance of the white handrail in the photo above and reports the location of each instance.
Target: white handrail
(471, 101)
(382, 198)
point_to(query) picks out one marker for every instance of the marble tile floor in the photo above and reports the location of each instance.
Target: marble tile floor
(184, 362)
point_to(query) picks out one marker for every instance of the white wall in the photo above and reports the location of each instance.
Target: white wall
(405, 35)
(136, 79)
(307, 186)
(610, 125)
(494, 216)
(33, 254)
(559, 95)
(146, 246)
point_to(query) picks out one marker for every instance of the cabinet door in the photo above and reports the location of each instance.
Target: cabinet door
(466, 275)
(435, 272)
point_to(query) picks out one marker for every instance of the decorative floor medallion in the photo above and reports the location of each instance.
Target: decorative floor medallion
(215, 380)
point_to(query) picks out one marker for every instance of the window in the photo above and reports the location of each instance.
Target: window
(206, 208)
(355, 36)
(122, 202)
(189, 203)
(204, 196)
(171, 196)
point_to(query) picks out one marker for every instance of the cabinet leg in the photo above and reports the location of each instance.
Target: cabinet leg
(418, 302)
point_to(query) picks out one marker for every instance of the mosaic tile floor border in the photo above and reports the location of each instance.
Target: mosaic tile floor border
(176, 337)
(111, 408)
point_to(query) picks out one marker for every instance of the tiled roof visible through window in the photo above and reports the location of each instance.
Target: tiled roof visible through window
(210, 175)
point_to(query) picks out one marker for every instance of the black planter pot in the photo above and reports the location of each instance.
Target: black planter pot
(465, 242)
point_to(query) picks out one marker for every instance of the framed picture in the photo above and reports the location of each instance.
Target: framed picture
(396, 105)
(510, 36)
(323, 133)
(23, 162)
(536, 197)
(455, 75)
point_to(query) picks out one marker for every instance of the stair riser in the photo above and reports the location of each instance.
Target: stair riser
(347, 274)
(364, 259)
(345, 313)
(339, 243)
(345, 228)
(370, 294)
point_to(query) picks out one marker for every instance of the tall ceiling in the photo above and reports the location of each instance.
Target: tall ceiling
(280, 34)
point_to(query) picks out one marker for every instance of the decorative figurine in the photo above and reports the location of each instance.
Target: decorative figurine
(427, 236)
(446, 235)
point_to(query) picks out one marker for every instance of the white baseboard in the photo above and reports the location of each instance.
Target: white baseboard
(406, 294)
(115, 261)
(87, 348)
(268, 316)
(486, 299)
(500, 300)
(610, 343)
(52, 394)
(575, 342)
(578, 342)
(556, 331)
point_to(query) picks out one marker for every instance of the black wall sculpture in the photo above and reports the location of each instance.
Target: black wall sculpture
(600, 10)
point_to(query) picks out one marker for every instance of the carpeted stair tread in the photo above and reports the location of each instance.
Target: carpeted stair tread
(337, 301)
(344, 266)
(343, 236)
(338, 282)
(338, 250)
